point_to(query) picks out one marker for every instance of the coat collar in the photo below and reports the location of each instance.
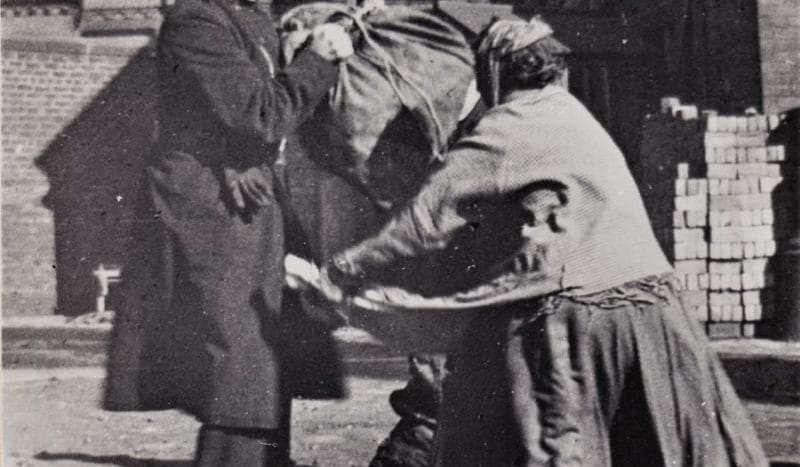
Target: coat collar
(532, 95)
(236, 5)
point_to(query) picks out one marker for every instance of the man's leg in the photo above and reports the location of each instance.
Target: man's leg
(219, 446)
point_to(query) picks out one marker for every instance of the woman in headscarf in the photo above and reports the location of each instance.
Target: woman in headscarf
(587, 356)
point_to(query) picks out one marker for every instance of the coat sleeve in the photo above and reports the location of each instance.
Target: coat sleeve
(549, 211)
(200, 48)
(426, 224)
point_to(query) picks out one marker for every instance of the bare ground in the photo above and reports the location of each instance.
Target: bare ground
(58, 422)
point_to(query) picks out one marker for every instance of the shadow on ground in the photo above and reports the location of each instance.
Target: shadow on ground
(128, 461)
(121, 460)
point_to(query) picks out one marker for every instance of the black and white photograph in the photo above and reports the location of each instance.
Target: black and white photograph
(400, 233)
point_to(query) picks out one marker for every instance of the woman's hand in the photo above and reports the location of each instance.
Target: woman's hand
(332, 292)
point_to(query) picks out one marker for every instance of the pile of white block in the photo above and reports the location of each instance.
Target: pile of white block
(712, 187)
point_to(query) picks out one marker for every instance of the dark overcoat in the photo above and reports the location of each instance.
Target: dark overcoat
(206, 326)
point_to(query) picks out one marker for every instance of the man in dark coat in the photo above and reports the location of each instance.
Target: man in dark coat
(215, 346)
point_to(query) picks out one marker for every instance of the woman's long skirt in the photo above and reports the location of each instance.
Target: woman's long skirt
(619, 378)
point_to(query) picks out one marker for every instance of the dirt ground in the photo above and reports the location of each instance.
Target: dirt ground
(52, 418)
(56, 421)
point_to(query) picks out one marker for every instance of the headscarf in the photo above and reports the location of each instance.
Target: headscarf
(501, 39)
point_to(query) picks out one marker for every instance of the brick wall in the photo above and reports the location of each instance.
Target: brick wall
(779, 36)
(61, 101)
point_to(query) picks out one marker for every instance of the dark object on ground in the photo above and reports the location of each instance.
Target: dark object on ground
(410, 443)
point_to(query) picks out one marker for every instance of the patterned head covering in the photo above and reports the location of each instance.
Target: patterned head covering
(502, 38)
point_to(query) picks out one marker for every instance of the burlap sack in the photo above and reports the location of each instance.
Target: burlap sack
(396, 102)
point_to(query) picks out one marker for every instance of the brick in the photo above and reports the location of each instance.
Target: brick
(690, 218)
(741, 155)
(726, 312)
(772, 170)
(728, 218)
(741, 234)
(754, 185)
(712, 123)
(724, 298)
(49, 47)
(715, 281)
(767, 217)
(703, 281)
(721, 171)
(725, 281)
(729, 155)
(735, 282)
(741, 124)
(751, 297)
(770, 248)
(719, 140)
(711, 155)
(693, 266)
(752, 123)
(714, 218)
(682, 170)
(713, 186)
(678, 219)
(749, 140)
(681, 188)
(689, 235)
(751, 169)
(725, 267)
(724, 187)
(715, 313)
(701, 250)
(739, 187)
(763, 123)
(768, 184)
(737, 313)
(752, 280)
(752, 312)
(780, 153)
(719, 250)
(738, 203)
(745, 221)
(757, 154)
(680, 251)
(759, 249)
(685, 112)
(749, 250)
(723, 330)
(692, 282)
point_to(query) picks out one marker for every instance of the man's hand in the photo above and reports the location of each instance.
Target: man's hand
(331, 42)
(251, 186)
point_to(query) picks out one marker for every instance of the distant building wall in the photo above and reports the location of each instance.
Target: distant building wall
(779, 38)
(53, 183)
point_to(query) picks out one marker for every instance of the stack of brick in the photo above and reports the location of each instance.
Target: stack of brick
(710, 185)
